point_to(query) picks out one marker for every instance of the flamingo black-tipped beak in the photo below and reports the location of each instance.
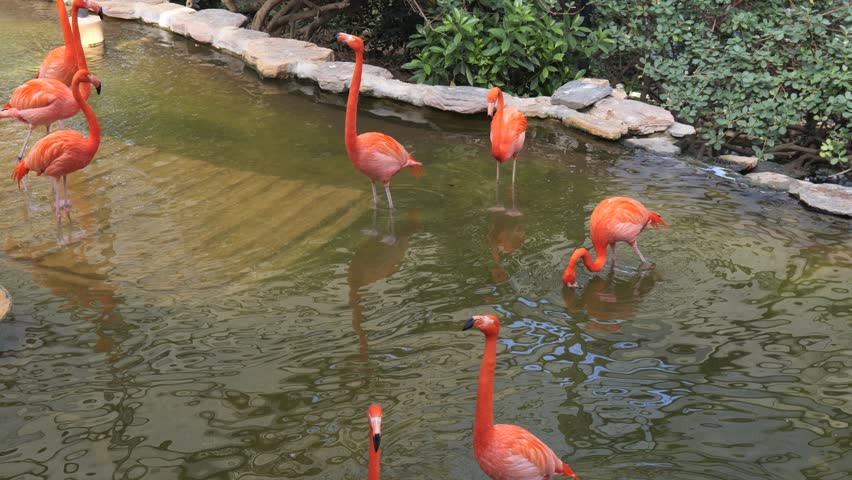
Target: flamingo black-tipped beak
(469, 324)
(377, 439)
(101, 13)
(98, 88)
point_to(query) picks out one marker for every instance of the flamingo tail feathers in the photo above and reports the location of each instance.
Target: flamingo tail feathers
(20, 172)
(566, 470)
(416, 168)
(655, 220)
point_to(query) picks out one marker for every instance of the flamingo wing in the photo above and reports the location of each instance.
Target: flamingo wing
(37, 93)
(380, 156)
(514, 131)
(56, 154)
(523, 456)
(619, 219)
(57, 65)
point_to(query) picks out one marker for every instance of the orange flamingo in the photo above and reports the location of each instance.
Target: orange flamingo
(376, 155)
(505, 452)
(64, 151)
(616, 219)
(508, 131)
(374, 416)
(62, 63)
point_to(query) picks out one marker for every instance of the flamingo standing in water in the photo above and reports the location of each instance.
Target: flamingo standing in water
(616, 219)
(374, 416)
(62, 63)
(506, 452)
(376, 155)
(46, 100)
(64, 151)
(508, 131)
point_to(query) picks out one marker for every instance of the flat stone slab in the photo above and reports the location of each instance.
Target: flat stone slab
(119, 9)
(235, 39)
(826, 197)
(599, 127)
(336, 76)
(5, 303)
(640, 118)
(771, 180)
(660, 145)
(738, 163)
(457, 99)
(275, 57)
(177, 21)
(205, 23)
(167, 15)
(680, 130)
(151, 13)
(394, 89)
(580, 94)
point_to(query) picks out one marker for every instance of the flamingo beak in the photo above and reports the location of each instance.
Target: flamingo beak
(490, 108)
(98, 88)
(101, 12)
(469, 324)
(377, 439)
(376, 430)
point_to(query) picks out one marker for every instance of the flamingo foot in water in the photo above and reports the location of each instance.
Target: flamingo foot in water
(497, 208)
(514, 212)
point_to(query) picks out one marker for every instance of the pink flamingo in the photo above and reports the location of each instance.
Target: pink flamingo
(616, 219)
(376, 155)
(46, 100)
(64, 151)
(374, 416)
(508, 131)
(506, 452)
(62, 63)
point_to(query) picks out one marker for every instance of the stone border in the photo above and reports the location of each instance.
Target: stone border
(5, 303)
(824, 197)
(606, 113)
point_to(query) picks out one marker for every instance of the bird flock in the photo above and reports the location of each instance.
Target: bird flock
(504, 452)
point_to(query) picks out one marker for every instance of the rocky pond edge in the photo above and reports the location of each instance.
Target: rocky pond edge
(588, 105)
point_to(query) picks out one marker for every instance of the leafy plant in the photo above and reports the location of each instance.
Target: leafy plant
(524, 47)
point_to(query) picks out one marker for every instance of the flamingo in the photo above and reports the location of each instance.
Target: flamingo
(64, 151)
(46, 100)
(374, 416)
(506, 452)
(376, 155)
(508, 131)
(616, 219)
(62, 63)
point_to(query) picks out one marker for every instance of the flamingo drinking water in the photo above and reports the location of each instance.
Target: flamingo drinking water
(376, 155)
(505, 452)
(616, 219)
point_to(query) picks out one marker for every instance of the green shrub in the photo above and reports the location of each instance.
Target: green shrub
(775, 72)
(526, 48)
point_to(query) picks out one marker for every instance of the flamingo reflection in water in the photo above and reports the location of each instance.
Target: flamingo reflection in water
(609, 302)
(505, 235)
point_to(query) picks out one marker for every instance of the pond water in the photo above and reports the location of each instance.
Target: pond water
(221, 310)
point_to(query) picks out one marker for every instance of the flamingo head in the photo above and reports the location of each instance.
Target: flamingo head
(90, 5)
(493, 95)
(355, 43)
(569, 277)
(374, 415)
(487, 324)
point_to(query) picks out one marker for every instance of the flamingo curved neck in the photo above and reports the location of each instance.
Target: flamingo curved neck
(484, 423)
(497, 123)
(94, 139)
(77, 40)
(352, 105)
(593, 266)
(67, 34)
(375, 462)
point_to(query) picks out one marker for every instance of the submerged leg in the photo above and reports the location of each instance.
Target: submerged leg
(513, 212)
(636, 249)
(375, 197)
(387, 191)
(54, 181)
(66, 203)
(497, 207)
(24, 146)
(612, 246)
(514, 166)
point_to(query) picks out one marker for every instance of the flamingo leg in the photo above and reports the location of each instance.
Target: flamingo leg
(497, 207)
(24, 146)
(375, 197)
(636, 249)
(612, 245)
(61, 125)
(390, 200)
(66, 203)
(56, 204)
(514, 166)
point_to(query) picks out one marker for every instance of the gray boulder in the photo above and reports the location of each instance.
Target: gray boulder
(738, 163)
(662, 145)
(680, 130)
(234, 40)
(205, 23)
(335, 76)
(151, 13)
(276, 57)
(772, 180)
(826, 197)
(119, 9)
(457, 99)
(640, 118)
(177, 20)
(580, 94)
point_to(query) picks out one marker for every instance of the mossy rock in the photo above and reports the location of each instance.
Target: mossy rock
(5, 303)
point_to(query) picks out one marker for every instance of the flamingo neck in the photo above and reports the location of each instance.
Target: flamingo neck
(77, 43)
(593, 266)
(94, 139)
(484, 422)
(352, 105)
(67, 35)
(374, 462)
(497, 124)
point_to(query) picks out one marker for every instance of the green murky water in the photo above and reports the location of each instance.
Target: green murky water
(219, 310)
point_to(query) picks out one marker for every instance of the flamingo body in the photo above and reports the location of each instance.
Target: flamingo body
(616, 219)
(508, 128)
(376, 155)
(41, 102)
(506, 452)
(61, 62)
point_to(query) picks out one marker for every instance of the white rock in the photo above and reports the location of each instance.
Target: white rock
(639, 117)
(205, 23)
(772, 180)
(275, 57)
(680, 130)
(177, 21)
(739, 163)
(661, 145)
(335, 76)
(579, 94)
(826, 197)
(380, 87)
(599, 127)
(167, 16)
(119, 9)
(150, 13)
(457, 99)
(235, 39)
